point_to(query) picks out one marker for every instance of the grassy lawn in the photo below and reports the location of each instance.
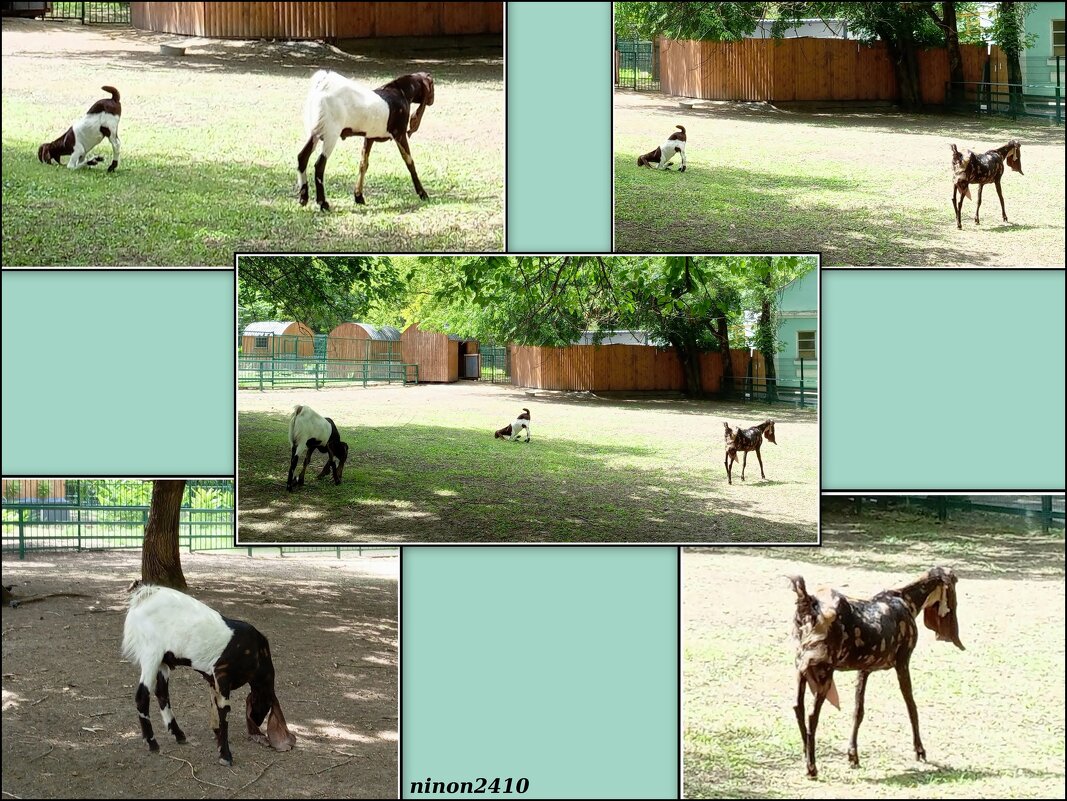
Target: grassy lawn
(209, 145)
(991, 717)
(423, 466)
(861, 188)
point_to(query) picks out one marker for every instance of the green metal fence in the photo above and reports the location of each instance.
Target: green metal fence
(802, 390)
(636, 65)
(254, 372)
(496, 364)
(91, 13)
(96, 514)
(1048, 510)
(1031, 99)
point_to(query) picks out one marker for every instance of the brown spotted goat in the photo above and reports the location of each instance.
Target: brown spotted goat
(982, 168)
(745, 440)
(835, 632)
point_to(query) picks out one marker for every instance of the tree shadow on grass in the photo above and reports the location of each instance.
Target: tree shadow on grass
(943, 775)
(975, 544)
(419, 483)
(155, 210)
(966, 129)
(738, 207)
(671, 403)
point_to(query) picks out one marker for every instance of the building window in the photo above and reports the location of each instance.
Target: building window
(805, 344)
(1057, 37)
(261, 343)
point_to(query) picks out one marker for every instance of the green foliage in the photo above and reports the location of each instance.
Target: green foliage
(12, 489)
(319, 291)
(1008, 30)
(715, 21)
(44, 490)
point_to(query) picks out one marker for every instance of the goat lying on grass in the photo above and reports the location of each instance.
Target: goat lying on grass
(674, 145)
(338, 108)
(100, 121)
(166, 628)
(982, 168)
(749, 439)
(309, 432)
(513, 430)
(835, 632)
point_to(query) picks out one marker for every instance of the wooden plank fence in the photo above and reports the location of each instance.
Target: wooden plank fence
(314, 20)
(783, 70)
(620, 368)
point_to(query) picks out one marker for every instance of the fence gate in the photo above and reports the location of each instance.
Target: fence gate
(496, 364)
(91, 13)
(637, 65)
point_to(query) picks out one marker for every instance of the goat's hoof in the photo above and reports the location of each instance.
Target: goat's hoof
(303, 200)
(424, 196)
(226, 762)
(114, 166)
(682, 170)
(813, 773)
(959, 227)
(180, 739)
(920, 755)
(324, 206)
(153, 746)
(853, 760)
(360, 200)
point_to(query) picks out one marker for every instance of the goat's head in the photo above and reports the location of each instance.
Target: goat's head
(768, 431)
(1014, 156)
(44, 154)
(503, 432)
(261, 700)
(939, 612)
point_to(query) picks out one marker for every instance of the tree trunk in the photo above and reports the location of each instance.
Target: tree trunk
(1012, 50)
(768, 354)
(722, 334)
(905, 57)
(689, 358)
(160, 560)
(948, 25)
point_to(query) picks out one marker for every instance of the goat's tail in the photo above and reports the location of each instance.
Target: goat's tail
(680, 128)
(111, 90)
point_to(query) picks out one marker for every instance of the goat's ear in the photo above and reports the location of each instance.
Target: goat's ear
(1015, 157)
(940, 617)
(281, 739)
(798, 586)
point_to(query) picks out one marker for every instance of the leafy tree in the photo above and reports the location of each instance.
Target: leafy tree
(946, 21)
(319, 291)
(713, 21)
(1009, 33)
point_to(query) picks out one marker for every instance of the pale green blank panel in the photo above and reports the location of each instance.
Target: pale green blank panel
(559, 127)
(942, 379)
(558, 665)
(118, 372)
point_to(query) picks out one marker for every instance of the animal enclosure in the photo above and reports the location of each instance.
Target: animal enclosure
(860, 187)
(181, 199)
(739, 681)
(423, 466)
(70, 727)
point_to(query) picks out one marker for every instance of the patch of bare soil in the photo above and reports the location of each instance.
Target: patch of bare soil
(69, 722)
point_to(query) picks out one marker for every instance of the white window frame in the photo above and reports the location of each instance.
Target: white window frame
(814, 350)
(1052, 37)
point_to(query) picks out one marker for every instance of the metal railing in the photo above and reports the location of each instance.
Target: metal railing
(496, 364)
(254, 372)
(637, 65)
(1010, 100)
(90, 13)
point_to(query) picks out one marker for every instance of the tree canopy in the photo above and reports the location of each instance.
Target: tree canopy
(694, 303)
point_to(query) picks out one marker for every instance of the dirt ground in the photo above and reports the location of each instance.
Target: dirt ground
(69, 722)
(863, 188)
(423, 466)
(991, 717)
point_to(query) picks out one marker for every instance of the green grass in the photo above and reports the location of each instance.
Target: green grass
(209, 154)
(424, 467)
(861, 188)
(991, 717)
